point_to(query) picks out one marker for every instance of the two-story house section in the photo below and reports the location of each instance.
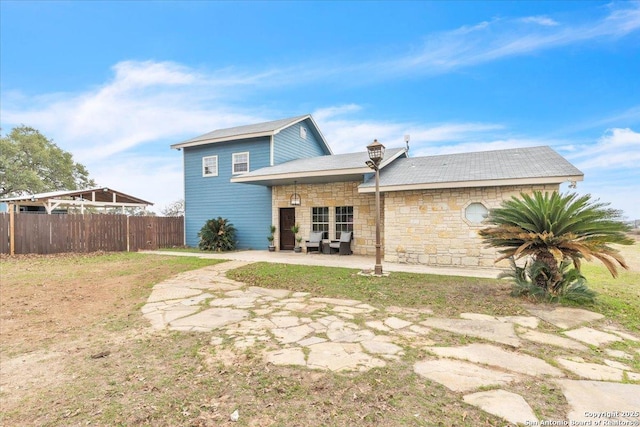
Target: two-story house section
(212, 159)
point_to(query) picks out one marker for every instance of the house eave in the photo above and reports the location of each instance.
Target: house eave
(308, 177)
(222, 139)
(473, 184)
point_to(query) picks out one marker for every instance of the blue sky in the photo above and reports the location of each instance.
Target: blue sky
(115, 83)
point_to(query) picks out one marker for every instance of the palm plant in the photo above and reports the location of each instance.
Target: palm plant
(217, 235)
(552, 228)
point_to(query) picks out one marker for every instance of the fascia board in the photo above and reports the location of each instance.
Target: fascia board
(392, 158)
(474, 184)
(301, 119)
(308, 174)
(222, 139)
(324, 141)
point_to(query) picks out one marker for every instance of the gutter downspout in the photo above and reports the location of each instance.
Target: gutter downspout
(271, 153)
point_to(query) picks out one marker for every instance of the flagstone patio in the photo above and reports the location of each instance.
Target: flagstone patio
(293, 328)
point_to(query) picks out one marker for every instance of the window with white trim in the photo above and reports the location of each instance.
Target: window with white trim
(344, 219)
(210, 166)
(320, 219)
(240, 162)
(476, 213)
(303, 132)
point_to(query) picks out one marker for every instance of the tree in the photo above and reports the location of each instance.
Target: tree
(173, 209)
(31, 163)
(554, 229)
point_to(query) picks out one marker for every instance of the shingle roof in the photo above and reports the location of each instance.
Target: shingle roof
(511, 164)
(247, 131)
(327, 164)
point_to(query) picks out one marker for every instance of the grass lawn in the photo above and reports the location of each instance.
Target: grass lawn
(76, 350)
(618, 298)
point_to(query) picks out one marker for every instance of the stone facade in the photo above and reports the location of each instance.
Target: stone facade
(429, 226)
(417, 227)
(333, 195)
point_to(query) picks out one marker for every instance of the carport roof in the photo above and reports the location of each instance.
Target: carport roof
(101, 197)
(534, 165)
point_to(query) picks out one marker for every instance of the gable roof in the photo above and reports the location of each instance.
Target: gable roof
(253, 131)
(336, 167)
(534, 165)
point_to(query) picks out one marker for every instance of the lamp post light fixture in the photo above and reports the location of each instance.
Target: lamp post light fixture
(376, 154)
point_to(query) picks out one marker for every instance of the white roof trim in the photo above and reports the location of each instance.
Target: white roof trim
(467, 184)
(307, 174)
(223, 138)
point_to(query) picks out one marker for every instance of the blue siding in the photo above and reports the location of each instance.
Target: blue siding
(247, 206)
(288, 145)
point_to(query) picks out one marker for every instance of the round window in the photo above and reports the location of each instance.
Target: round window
(475, 213)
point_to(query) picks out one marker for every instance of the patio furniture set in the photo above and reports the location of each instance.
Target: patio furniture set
(319, 243)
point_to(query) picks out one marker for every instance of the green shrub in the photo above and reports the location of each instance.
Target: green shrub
(572, 286)
(217, 235)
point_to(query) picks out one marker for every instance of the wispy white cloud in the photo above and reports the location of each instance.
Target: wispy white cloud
(540, 20)
(144, 102)
(501, 38)
(617, 148)
(348, 132)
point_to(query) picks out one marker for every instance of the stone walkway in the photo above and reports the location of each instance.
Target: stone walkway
(347, 335)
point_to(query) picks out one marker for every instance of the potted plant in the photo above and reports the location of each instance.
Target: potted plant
(295, 229)
(272, 229)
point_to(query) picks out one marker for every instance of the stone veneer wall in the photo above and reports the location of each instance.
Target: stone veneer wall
(428, 226)
(333, 195)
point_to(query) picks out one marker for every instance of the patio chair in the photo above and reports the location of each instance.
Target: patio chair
(343, 246)
(313, 244)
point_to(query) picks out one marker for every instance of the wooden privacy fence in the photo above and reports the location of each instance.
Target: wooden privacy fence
(49, 234)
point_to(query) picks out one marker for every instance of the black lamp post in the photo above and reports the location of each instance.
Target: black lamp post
(376, 154)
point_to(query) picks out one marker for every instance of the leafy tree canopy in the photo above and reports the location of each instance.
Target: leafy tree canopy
(31, 163)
